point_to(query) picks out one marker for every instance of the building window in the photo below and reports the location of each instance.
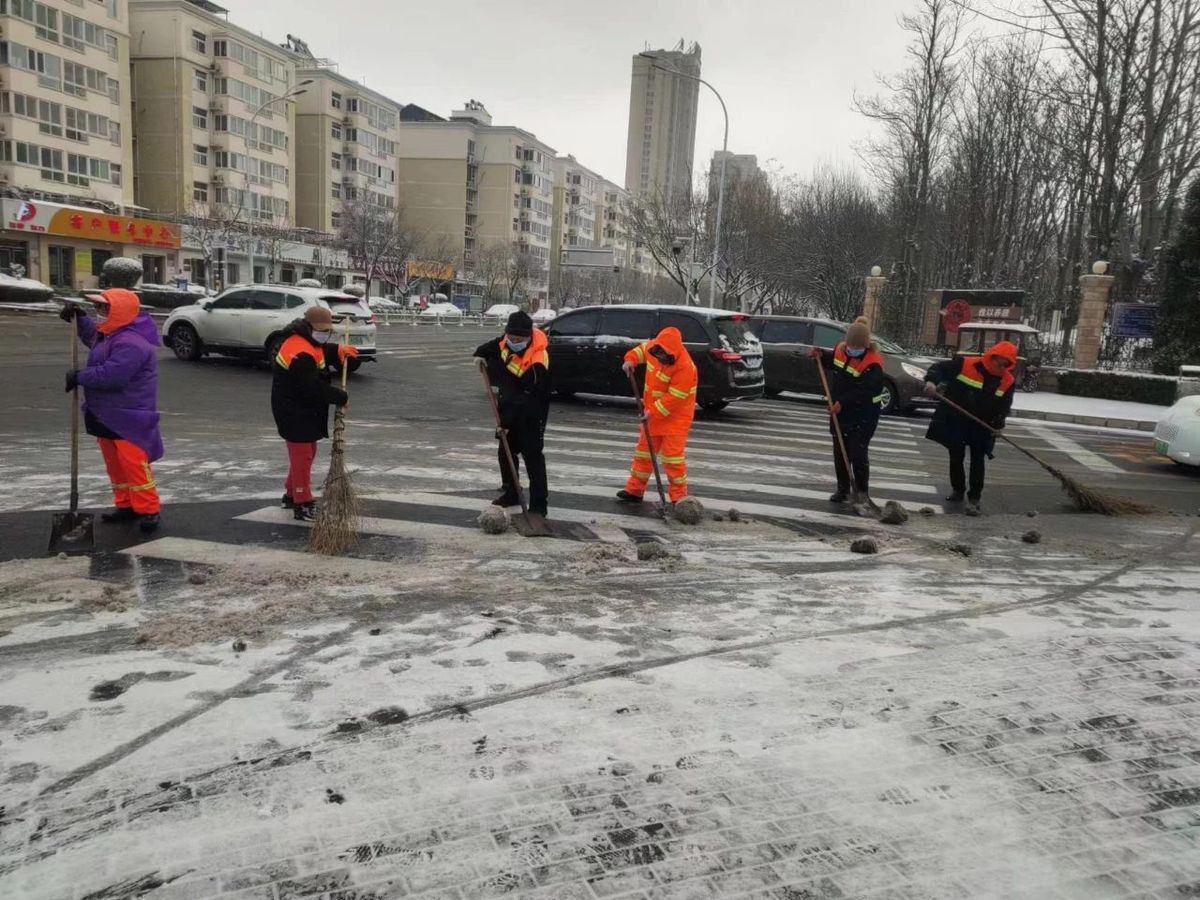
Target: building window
(335, 161)
(335, 131)
(200, 154)
(335, 100)
(220, 48)
(337, 191)
(114, 170)
(62, 267)
(200, 117)
(200, 80)
(200, 42)
(200, 191)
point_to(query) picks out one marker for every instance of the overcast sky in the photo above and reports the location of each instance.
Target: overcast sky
(788, 69)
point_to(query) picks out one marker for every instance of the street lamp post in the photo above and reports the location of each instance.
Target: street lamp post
(716, 260)
(284, 98)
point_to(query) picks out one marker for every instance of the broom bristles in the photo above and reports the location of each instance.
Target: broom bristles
(336, 527)
(1089, 500)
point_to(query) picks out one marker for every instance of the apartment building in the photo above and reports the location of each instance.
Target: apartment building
(214, 132)
(345, 142)
(478, 187)
(662, 122)
(65, 144)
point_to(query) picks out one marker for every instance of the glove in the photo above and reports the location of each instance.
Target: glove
(814, 352)
(932, 390)
(998, 426)
(72, 380)
(346, 352)
(837, 407)
(500, 432)
(70, 312)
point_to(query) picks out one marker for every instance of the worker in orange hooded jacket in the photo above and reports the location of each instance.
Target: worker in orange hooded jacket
(668, 406)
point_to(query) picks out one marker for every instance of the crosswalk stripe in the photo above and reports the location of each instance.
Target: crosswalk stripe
(1075, 450)
(817, 431)
(474, 504)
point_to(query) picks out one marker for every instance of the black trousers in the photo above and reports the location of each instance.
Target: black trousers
(958, 477)
(857, 436)
(526, 439)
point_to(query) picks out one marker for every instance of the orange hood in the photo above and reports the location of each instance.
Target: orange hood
(123, 308)
(1003, 350)
(671, 340)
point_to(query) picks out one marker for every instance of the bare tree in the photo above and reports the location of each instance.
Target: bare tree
(379, 241)
(672, 230)
(212, 226)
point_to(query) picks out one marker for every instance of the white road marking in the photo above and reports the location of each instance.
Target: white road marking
(1076, 451)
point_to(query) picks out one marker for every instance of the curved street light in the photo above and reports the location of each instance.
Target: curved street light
(712, 284)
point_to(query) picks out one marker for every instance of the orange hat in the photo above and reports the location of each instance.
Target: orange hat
(123, 308)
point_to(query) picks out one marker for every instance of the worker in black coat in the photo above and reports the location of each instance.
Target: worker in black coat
(983, 386)
(301, 394)
(519, 363)
(855, 368)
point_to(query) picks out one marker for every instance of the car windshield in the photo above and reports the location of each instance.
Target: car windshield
(888, 346)
(735, 331)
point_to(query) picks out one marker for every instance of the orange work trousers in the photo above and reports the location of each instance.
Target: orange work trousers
(669, 448)
(129, 471)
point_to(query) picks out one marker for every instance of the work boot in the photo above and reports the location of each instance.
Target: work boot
(119, 514)
(286, 502)
(627, 497)
(508, 498)
(149, 523)
(305, 512)
(539, 509)
(972, 508)
(955, 497)
(839, 496)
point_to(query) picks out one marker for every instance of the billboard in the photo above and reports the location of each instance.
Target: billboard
(580, 258)
(435, 271)
(36, 217)
(1133, 320)
(947, 310)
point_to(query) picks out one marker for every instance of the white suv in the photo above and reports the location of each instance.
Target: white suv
(249, 320)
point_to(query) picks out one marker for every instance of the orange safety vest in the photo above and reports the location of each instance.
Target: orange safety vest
(298, 345)
(670, 393)
(536, 354)
(855, 367)
(974, 373)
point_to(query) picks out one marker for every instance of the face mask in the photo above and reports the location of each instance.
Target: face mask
(516, 346)
(320, 337)
(855, 352)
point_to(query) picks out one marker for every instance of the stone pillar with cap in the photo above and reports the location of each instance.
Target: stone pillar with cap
(1094, 290)
(873, 299)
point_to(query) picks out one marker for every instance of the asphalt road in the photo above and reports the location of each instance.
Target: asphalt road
(420, 424)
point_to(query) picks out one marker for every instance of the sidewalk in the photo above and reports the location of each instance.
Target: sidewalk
(1087, 411)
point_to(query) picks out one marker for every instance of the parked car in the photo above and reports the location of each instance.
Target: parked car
(1177, 435)
(588, 345)
(23, 290)
(441, 311)
(545, 314)
(500, 311)
(383, 305)
(787, 340)
(249, 320)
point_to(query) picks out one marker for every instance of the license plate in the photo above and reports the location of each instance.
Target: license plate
(1161, 447)
(752, 362)
(358, 340)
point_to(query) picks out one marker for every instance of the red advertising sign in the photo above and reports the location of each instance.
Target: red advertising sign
(956, 313)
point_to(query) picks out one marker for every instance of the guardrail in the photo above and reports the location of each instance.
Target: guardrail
(418, 319)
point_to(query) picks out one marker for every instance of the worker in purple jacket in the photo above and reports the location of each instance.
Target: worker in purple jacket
(120, 408)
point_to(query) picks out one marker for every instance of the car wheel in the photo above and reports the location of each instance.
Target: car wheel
(353, 365)
(890, 404)
(186, 342)
(714, 405)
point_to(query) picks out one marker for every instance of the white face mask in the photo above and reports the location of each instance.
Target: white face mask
(321, 337)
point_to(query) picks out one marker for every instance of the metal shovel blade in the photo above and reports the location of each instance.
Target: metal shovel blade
(531, 524)
(72, 532)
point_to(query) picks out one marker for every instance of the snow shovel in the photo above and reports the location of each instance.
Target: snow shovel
(73, 531)
(862, 504)
(527, 524)
(662, 497)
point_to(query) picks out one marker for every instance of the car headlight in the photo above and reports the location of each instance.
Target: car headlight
(913, 371)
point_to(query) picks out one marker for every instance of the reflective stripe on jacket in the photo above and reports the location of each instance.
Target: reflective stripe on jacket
(670, 392)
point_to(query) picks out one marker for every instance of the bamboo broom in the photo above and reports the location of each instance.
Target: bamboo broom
(336, 527)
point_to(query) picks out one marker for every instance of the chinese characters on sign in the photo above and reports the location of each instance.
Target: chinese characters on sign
(52, 218)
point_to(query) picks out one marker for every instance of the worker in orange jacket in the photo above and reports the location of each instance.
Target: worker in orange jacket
(668, 406)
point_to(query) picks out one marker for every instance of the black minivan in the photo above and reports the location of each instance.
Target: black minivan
(588, 345)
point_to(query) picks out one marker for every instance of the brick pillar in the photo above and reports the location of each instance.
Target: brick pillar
(874, 296)
(1093, 307)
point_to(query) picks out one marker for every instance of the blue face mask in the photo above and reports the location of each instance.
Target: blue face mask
(515, 346)
(855, 352)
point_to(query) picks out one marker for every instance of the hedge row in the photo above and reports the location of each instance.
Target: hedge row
(1116, 386)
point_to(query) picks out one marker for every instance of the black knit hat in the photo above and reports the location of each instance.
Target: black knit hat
(519, 324)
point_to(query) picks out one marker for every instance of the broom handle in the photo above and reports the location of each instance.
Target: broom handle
(512, 463)
(662, 497)
(345, 343)
(837, 428)
(995, 431)
(74, 420)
